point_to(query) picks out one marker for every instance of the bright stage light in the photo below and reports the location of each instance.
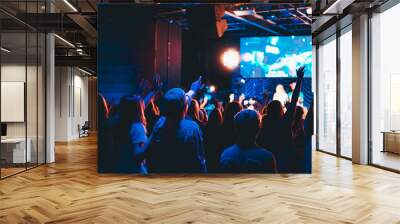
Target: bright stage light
(242, 81)
(230, 58)
(212, 89)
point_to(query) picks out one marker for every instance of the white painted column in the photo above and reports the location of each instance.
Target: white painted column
(62, 103)
(50, 92)
(50, 100)
(360, 90)
(314, 90)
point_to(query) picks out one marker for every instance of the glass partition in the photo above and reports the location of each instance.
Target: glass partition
(22, 88)
(13, 94)
(41, 89)
(31, 97)
(346, 93)
(385, 89)
(327, 96)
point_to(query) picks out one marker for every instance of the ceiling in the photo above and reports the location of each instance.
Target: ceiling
(331, 15)
(75, 22)
(247, 19)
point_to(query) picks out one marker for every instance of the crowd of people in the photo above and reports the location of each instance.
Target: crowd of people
(173, 133)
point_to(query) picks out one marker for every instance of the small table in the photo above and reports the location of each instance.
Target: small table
(13, 150)
(391, 141)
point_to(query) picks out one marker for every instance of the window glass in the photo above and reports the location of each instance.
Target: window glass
(327, 96)
(346, 94)
(15, 149)
(385, 89)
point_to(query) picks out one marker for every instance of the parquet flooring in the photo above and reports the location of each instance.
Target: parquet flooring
(71, 191)
(10, 171)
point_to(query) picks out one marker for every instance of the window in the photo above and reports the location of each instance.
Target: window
(346, 93)
(327, 96)
(385, 89)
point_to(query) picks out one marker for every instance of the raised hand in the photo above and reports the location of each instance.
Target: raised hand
(300, 72)
(204, 103)
(196, 85)
(241, 98)
(205, 100)
(157, 84)
(296, 93)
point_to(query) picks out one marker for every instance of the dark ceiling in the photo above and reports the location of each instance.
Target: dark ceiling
(76, 22)
(252, 18)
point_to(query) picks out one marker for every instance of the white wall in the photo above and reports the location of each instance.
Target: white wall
(71, 102)
(61, 103)
(13, 73)
(33, 127)
(81, 104)
(17, 73)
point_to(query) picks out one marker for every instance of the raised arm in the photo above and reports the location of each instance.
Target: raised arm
(157, 86)
(196, 85)
(148, 98)
(204, 103)
(241, 98)
(296, 93)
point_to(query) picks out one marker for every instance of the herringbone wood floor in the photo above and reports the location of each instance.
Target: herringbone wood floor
(71, 191)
